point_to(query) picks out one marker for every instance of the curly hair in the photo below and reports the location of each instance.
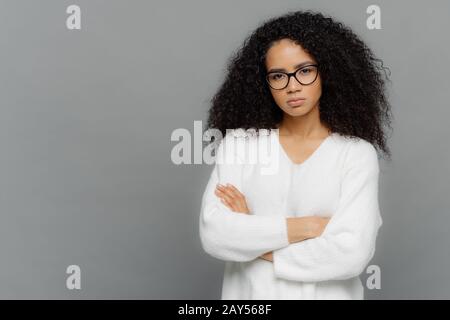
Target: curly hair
(353, 100)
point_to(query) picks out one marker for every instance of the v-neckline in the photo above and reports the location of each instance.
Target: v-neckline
(308, 159)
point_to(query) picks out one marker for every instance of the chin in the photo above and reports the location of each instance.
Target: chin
(296, 109)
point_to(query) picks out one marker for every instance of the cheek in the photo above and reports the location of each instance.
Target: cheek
(278, 96)
(314, 92)
(318, 88)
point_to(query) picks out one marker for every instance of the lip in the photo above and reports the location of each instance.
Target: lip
(296, 102)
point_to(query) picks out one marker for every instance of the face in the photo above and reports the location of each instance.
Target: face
(287, 56)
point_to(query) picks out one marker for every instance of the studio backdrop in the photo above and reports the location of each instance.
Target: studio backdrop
(95, 96)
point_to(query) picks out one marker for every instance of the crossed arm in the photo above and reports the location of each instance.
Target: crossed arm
(339, 251)
(299, 228)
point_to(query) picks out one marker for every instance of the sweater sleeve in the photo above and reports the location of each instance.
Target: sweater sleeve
(348, 242)
(232, 236)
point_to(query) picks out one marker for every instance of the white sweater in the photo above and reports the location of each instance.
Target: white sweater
(339, 180)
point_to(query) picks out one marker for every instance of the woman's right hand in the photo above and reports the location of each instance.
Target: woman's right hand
(232, 198)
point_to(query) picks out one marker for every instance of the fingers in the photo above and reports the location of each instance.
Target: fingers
(227, 203)
(267, 256)
(323, 223)
(231, 190)
(326, 220)
(235, 192)
(228, 193)
(232, 197)
(225, 198)
(224, 193)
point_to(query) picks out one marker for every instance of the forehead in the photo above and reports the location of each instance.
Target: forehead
(286, 54)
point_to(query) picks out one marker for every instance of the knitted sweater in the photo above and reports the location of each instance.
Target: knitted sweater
(339, 180)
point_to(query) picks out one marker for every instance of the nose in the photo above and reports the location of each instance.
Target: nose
(293, 84)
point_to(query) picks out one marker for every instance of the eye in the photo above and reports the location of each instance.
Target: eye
(276, 76)
(305, 71)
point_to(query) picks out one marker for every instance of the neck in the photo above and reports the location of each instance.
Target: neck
(305, 126)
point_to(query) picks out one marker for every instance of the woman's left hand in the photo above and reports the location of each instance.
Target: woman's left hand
(232, 198)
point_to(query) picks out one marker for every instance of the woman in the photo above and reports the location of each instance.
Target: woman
(312, 90)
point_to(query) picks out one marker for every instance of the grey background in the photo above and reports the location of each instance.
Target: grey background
(86, 118)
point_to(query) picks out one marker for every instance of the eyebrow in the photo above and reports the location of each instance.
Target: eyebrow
(295, 67)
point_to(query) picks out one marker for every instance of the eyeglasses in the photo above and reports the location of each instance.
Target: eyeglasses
(305, 75)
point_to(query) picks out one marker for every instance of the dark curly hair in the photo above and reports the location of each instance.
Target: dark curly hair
(353, 100)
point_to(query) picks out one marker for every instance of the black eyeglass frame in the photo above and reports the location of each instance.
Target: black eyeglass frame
(292, 74)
